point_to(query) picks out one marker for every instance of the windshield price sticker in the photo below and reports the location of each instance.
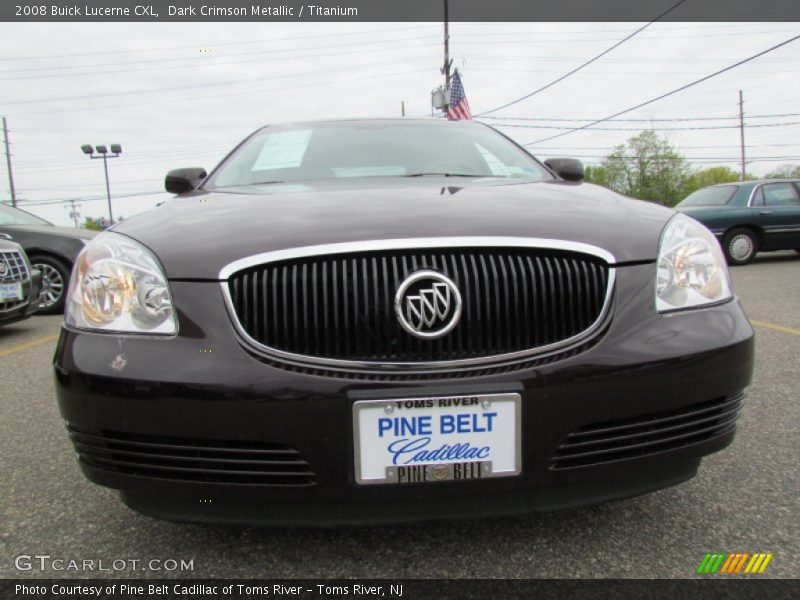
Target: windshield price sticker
(421, 440)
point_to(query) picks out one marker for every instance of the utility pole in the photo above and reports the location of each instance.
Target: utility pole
(73, 212)
(741, 131)
(8, 164)
(440, 97)
(446, 69)
(402, 108)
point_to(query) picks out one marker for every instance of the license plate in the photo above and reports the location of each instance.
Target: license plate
(442, 438)
(10, 291)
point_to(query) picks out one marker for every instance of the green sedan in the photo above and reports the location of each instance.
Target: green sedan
(749, 217)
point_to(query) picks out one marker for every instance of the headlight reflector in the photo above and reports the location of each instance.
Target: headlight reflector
(118, 285)
(691, 270)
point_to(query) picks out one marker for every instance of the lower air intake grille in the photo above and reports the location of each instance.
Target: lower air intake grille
(629, 438)
(8, 305)
(186, 459)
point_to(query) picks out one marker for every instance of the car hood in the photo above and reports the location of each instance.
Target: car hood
(695, 211)
(67, 232)
(196, 236)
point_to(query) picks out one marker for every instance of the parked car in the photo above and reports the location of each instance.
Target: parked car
(749, 217)
(383, 320)
(51, 249)
(19, 284)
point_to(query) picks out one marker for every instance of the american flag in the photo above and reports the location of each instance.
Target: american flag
(459, 107)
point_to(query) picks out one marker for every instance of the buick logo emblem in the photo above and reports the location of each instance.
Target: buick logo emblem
(428, 304)
(3, 269)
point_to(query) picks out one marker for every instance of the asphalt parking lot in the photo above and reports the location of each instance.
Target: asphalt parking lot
(744, 498)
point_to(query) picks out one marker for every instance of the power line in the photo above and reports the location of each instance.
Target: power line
(393, 44)
(664, 27)
(612, 157)
(571, 129)
(566, 148)
(135, 160)
(585, 64)
(195, 46)
(50, 201)
(259, 79)
(627, 73)
(558, 119)
(526, 41)
(670, 93)
(184, 98)
(369, 32)
(672, 59)
(84, 185)
(205, 64)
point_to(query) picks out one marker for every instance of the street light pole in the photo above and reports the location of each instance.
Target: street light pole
(108, 191)
(102, 152)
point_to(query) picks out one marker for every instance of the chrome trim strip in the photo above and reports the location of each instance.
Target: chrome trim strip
(760, 185)
(409, 244)
(752, 194)
(783, 230)
(421, 366)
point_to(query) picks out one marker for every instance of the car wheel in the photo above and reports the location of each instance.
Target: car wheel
(740, 246)
(53, 289)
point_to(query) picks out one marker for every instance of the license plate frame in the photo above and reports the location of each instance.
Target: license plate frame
(505, 442)
(11, 291)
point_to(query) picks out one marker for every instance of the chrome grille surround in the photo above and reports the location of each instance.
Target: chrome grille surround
(421, 366)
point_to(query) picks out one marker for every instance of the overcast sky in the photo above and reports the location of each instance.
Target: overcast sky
(176, 94)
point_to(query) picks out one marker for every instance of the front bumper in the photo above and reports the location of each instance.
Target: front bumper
(156, 395)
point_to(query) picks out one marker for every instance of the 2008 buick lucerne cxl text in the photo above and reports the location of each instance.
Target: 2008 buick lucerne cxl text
(382, 320)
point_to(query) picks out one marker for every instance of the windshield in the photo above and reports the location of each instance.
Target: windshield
(710, 196)
(14, 216)
(286, 154)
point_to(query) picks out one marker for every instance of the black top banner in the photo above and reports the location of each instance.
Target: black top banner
(398, 10)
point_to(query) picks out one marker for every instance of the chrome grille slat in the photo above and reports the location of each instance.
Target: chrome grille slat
(515, 300)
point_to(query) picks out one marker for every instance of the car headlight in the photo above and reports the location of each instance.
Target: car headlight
(117, 285)
(691, 270)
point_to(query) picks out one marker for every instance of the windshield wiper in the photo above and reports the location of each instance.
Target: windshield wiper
(443, 175)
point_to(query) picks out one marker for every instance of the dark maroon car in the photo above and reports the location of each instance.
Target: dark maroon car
(382, 320)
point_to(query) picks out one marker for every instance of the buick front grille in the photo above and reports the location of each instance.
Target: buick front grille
(187, 459)
(648, 434)
(342, 306)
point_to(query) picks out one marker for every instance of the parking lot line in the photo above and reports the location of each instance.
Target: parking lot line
(27, 345)
(775, 326)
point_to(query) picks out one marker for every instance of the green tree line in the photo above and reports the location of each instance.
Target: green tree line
(649, 167)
